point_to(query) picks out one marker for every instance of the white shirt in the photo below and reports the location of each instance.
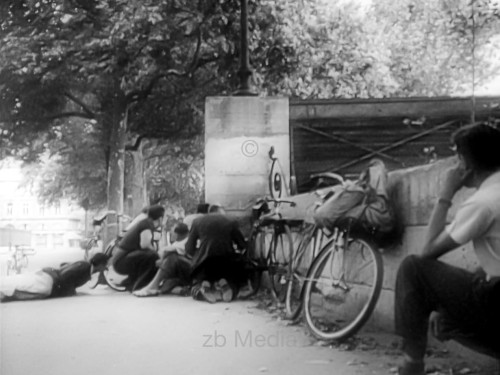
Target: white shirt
(178, 246)
(478, 220)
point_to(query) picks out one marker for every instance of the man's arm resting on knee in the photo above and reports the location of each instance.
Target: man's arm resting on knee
(439, 246)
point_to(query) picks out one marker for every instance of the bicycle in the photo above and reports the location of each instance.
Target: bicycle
(343, 284)
(287, 269)
(334, 278)
(19, 259)
(270, 247)
(108, 276)
(309, 235)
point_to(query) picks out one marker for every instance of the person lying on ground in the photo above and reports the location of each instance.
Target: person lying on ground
(218, 271)
(174, 267)
(424, 284)
(135, 255)
(51, 282)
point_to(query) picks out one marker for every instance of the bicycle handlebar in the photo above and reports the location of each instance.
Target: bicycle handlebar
(24, 249)
(97, 221)
(278, 200)
(329, 175)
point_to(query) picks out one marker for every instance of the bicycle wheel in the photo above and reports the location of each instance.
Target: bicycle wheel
(256, 259)
(280, 257)
(342, 288)
(307, 239)
(111, 277)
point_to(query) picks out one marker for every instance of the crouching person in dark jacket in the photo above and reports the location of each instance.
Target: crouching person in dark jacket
(51, 282)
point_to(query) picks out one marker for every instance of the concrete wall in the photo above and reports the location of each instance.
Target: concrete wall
(239, 131)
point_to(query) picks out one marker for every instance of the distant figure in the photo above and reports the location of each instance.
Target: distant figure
(174, 268)
(217, 270)
(51, 282)
(135, 255)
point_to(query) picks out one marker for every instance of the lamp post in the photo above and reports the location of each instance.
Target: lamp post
(245, 72)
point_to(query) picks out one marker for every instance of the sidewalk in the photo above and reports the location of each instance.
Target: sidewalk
(105, 332)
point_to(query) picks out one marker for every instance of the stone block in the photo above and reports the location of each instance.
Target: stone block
(415, 190)
(239, 132)
(244, 185)
(244, 155)
(245, 116)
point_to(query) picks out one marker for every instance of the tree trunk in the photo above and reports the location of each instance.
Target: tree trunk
(116, 168)
(135, 186)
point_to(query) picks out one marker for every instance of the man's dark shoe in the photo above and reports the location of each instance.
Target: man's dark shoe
(412, 368)
(204, 293)
(225, 290)
(182, 291)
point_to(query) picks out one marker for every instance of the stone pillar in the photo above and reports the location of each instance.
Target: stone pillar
(239, 131)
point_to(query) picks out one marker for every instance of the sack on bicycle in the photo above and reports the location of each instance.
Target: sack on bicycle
(363, 205)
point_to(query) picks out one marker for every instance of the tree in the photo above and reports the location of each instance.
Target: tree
(120, 72)
(431, 47)
(116, 62)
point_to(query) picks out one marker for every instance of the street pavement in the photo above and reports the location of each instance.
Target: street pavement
(104, 332)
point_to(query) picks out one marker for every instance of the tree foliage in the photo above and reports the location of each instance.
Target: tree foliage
(78, 77)
(174, 172)
(150, 62)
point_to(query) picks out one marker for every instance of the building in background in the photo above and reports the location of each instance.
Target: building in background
(54, 227)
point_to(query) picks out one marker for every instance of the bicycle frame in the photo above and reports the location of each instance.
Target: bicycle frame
(19, 259)
(108, 250)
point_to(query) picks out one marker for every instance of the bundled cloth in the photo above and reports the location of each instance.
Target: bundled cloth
(362, 204)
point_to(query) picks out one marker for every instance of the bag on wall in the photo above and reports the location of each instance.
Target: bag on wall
(363, 203)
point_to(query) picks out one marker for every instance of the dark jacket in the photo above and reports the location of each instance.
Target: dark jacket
(217, 233)
(68, 277)
(131, 240)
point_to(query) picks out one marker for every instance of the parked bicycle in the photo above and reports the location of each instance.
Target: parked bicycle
(335, 276)
(270, 247)
(108, 276)
(19, 259)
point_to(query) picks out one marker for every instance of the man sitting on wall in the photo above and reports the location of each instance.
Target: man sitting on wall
(469, 301)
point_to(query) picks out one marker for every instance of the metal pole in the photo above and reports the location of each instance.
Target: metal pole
(245, 72)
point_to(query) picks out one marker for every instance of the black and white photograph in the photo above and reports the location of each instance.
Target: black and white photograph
(219, 187)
